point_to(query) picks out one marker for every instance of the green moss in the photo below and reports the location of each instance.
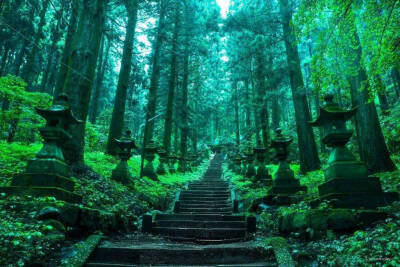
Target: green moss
(13, 159)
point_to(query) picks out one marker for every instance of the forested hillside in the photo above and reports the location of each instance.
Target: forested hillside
(264, 127)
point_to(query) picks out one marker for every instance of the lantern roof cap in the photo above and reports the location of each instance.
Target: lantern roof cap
(332, 111)
(126, 140)
(59, 108)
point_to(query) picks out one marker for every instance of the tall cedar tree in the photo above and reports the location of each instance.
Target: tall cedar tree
(309, 159)
(81, 70)
(118, 115)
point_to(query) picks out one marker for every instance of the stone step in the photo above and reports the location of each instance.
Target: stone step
(205, 210)
(208, 187)
(201, 233)
(220, 202)
(201, 224)
(209, 184)
(258, 264)
(205, 194)
(203, 198)
(209, 205)
(210, 192)
(200, 217)
(160, 254)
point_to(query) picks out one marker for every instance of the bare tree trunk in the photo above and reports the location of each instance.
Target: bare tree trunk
(63, 69)
(83, 57)
(308, 149)
(118, 115)
(172, 82)
(30, 73)
(373, 149)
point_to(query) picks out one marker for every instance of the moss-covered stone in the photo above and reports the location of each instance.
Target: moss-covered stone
(321, 220)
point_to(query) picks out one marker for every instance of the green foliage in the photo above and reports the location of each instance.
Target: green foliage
(13, 158)
(20, 112)
(379, 246)
(23, 237)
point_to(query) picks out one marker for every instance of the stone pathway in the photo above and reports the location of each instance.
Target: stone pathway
(202, 231)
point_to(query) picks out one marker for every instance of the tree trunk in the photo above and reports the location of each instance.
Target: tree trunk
(184, 108)
(373, 150)
(236, 107)
(308, 149)
(63, 69)
(30, 73)
(4, 59)
(101, 70)
(83, 57)
(255, 112)
(50, 62)
(155, 76)
(21, 54)
(261, 102)
(248, 111)
(118, 115)
(275, 117)
(396, 81)
(172, 80)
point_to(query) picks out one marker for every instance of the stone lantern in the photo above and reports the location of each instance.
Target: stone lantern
(48, 174)
(150, 151)
(237, 164)
(262, 175)
(284, 184)
(182, 167)
(250, 171)
(194, 159)
(347, 183)
(125, 145)
(163, 161)
(171, 162)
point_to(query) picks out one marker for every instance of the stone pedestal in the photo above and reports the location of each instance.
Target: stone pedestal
(347, 184)
(262, 176)
(182, 167)
(121, 173)
(237, 164)
(285, 185)
(161, 169)
(149, 156)
(48, 174)
(250, 169)
(171, 163)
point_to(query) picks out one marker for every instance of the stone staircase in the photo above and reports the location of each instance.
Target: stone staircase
(202, 231)
(204, 212)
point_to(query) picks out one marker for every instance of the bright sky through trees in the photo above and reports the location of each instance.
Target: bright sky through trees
(224, 4)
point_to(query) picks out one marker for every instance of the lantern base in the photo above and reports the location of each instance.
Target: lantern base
(148, 171)
(263, 177)
(45, 173)
(161, 170)
(285, 183)
(56, 192)
(282, 200)
(345, 170)
(358, 200)
(356, 193)
(286, 187)
(122, 174)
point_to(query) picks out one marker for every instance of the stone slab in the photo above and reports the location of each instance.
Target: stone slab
(58, 193)
(43, 180)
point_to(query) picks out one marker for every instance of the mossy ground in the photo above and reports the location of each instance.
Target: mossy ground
(22, 234)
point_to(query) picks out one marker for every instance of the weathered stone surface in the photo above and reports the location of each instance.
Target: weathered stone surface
(347, 184)
(321, 220)
(48, 174)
